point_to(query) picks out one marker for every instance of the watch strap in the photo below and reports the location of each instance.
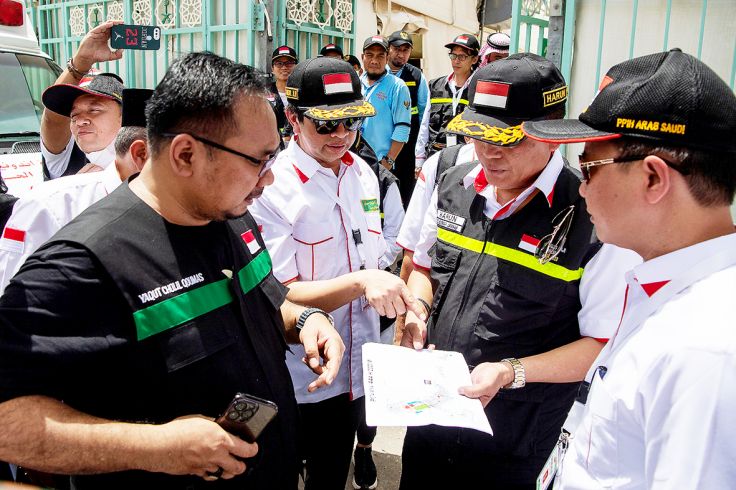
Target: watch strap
(519, 374)
(309, 312)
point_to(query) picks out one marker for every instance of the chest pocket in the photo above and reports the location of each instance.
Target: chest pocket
(445, 262)
(519, 303)
(316, 249)
(192, 342)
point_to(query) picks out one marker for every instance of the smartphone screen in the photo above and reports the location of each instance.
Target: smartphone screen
(135, 37)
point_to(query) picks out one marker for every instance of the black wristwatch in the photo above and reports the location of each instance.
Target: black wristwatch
(390, 161)
(309, 312)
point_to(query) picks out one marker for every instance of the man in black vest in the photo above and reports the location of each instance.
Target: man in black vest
(132, 328)
(82, 115)
(400, 46)
(510, 240)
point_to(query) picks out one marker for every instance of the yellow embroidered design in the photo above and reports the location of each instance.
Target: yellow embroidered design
(492, 134)
(364, 110)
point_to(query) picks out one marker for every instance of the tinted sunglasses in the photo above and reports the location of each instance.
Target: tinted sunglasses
(586, 166)
(328, 127)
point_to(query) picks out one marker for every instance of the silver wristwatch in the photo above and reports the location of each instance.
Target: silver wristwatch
(519, 374)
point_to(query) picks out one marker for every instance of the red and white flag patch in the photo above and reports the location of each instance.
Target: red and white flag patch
(250, 239)
(491, 94)
(337, 83)
(13, 240)
(285, 50)
(529, 243)
(462, 39)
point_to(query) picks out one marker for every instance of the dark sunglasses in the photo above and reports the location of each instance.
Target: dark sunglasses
(263, 164)
(551, 245)
(328, 127)
(586, 166)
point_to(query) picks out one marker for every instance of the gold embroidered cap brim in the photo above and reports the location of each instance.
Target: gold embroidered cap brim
(488, 133)
(360, 109)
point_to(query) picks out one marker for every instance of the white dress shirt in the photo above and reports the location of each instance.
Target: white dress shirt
(44, 210)
(662, 414)
(308, 236)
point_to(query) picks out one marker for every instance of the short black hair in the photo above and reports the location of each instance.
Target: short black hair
(198, 94)
(126, 136)
(710, 175)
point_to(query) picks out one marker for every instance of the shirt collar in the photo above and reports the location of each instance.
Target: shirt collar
(111, 178)
(364, 78)
(305, 165)
(545, 182)
(651, 275)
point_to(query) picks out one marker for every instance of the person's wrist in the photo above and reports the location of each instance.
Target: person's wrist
(81, 63)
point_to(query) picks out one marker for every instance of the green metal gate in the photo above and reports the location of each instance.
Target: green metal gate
(244, 31)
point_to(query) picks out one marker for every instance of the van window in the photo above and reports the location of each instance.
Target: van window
(23, 78)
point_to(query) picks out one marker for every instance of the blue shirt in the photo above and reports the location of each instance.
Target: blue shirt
(392, 122)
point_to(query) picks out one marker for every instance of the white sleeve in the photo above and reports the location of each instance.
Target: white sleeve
(57, 164)
(688, 429)
(393, 215)
(420, 198)
(277, 235)
(420, 149)
(602, 290)
(35, 223)
(428, 235)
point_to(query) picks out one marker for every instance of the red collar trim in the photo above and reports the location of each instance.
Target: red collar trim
(551, 195)
(300, 174)
(653, 287)
(480, 181)
(347, 159)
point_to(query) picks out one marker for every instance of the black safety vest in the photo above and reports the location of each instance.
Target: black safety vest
(77, 160)
(440, 98)
(385, 177)
(494, 300)
(198, 337)
(406, 160)
(277, 104)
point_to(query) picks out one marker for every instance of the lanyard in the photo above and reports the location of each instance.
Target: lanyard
(371, 89)
(355, 229)
(456, 92)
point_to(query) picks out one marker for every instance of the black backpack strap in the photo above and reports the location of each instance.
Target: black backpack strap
(448, 157)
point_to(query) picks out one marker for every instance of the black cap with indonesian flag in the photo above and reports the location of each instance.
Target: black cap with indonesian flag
(284, 51)
(328, 89)
(60, 98)
(671, 97)
(503, 94)
(467, 41)
(327, 48)
(375, 41)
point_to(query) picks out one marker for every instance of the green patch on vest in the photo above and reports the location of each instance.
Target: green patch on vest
(194, 303)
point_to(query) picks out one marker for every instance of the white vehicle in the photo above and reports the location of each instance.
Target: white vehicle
(25, 72)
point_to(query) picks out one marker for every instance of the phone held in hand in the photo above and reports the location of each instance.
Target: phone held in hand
(124, 36)
(247, 416)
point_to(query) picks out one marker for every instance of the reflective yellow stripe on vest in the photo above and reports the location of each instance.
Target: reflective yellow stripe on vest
(510, 255)
(414, 110)
(410, 84)
(446, 100)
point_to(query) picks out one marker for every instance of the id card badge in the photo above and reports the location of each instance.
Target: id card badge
(549, 470)
(451, 140)
(135, 37)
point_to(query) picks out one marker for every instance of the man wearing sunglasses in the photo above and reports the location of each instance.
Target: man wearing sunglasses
(134, 327)
(448, 97)
(322, 227)
(510, 239)
(659, 170)
(388, 130)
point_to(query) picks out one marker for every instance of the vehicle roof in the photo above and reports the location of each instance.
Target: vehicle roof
(20, 39)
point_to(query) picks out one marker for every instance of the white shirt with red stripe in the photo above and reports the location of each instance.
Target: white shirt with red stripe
(600, 299)
(422, 195)
(661, 416)
(309, 238)
(40, 213)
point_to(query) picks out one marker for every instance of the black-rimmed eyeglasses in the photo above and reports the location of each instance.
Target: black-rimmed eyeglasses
(264, 164)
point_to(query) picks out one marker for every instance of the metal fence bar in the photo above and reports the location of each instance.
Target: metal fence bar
(668, 14)
(634, 12)
(515, 24)
(702, 27)
(601, 29)
(567, 41)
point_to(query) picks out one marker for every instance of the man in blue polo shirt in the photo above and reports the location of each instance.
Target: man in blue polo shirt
(388, 130)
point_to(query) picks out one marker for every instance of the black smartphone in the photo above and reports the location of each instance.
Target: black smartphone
(124, 36)
(247, 416)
